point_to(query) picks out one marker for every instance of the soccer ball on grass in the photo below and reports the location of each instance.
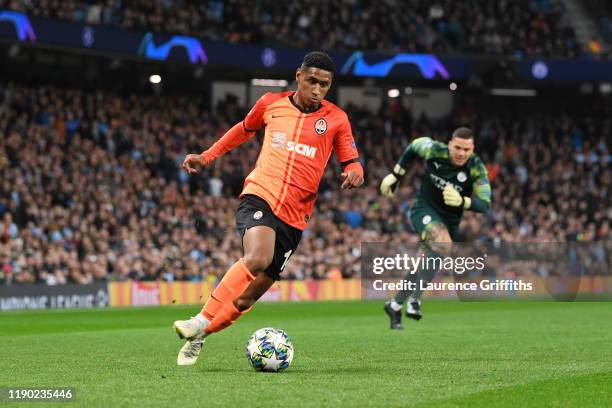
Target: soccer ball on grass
(269, 349)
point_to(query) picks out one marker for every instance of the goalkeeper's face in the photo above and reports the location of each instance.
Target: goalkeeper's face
(313, 85)
(460, 150)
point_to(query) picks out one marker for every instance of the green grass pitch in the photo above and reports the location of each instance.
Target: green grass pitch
(460, 354)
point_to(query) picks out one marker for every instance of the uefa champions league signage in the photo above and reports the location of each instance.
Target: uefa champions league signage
(191, 50)
(180, 49)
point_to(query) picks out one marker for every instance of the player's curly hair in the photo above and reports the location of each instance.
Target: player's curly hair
(318, 59)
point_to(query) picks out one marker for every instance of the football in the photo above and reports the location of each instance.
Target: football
(269, 349)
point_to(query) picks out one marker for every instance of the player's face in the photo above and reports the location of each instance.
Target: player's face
(313, 84)
(460, 150)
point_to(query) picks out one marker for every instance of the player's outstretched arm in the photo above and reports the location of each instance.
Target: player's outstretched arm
(420, 147)
(233, 138)
(238, 134)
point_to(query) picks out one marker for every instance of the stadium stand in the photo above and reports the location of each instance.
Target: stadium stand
(601, 12)
(92, 190)
(518, 27)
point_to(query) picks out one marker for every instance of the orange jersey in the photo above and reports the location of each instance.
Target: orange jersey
(295, 151)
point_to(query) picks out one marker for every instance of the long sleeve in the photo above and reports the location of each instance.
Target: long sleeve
(233, 138)
(240, 132)
(481, 200)
(344, 143)
(420, 147)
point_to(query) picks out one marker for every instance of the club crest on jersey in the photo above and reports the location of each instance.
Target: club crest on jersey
(426, 219)
(258, 215)
(461, 176)
(320, 126)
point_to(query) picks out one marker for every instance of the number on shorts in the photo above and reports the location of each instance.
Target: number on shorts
(287, 256)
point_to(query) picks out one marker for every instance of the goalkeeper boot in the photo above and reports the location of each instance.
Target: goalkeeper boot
(413, 310)
(190, 351)
(190, 329)
(395, 317)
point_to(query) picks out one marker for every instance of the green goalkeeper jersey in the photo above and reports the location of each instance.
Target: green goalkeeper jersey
(470, 180)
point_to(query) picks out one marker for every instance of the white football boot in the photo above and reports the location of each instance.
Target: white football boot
(189, 353)
(413, 309)
(189, 329)
(193, 331)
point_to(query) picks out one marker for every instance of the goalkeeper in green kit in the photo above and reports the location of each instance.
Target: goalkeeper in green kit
(455, 180)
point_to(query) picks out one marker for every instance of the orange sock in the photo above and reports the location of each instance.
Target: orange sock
(225, 317)
(234, 282)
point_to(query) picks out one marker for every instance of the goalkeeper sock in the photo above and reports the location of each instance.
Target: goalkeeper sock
(421, 278)
(425, 276)
(225, 318)
(234, 282)
(395, 306)
(402, 295)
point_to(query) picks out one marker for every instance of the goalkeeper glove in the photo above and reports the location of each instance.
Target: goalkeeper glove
(391, 181)
(452, 198)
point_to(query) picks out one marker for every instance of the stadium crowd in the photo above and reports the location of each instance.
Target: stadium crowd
(509, 27)
(601, 13)
(91, 186)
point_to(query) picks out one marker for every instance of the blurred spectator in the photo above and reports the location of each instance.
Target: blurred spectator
(601, 13)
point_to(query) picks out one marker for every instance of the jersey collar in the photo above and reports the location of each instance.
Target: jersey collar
(298, 108)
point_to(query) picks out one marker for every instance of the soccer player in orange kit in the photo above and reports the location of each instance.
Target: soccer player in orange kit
(301, 130)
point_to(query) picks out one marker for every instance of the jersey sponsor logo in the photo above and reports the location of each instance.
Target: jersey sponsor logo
(258, 215)
(440, 183)
(279, 141)
(320, 126)
(461, 176)
(301, 148)
(426, 219)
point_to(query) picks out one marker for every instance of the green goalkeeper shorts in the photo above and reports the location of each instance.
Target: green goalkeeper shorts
(424, 217)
